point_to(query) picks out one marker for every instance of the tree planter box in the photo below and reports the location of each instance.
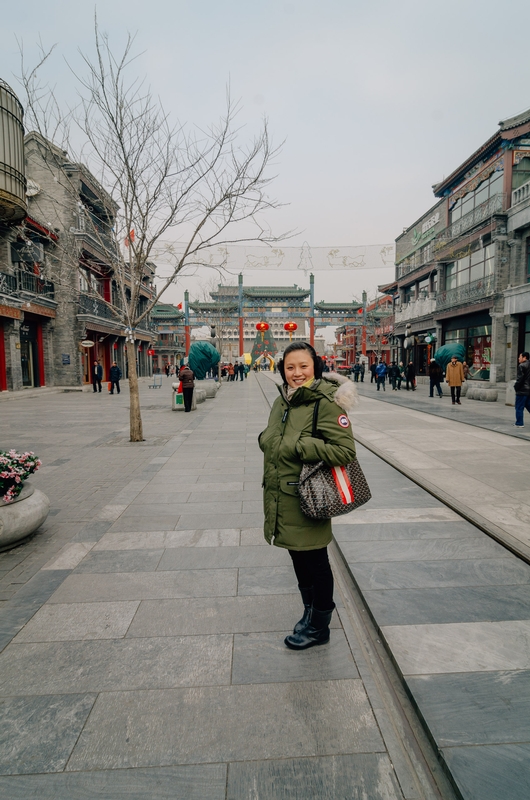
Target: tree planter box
(20, 518)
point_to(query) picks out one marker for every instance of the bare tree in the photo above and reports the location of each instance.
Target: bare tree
(181, 195)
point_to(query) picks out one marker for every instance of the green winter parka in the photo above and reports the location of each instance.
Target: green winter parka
(287, 444)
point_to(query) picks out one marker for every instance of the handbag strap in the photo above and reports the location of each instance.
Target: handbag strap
(314, 432)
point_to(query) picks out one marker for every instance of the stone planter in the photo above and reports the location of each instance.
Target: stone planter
(22, 517)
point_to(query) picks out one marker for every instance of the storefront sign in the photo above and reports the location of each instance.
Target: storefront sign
(66, 359)
(9, 311)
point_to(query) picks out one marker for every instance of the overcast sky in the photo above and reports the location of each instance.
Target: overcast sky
(376, 101)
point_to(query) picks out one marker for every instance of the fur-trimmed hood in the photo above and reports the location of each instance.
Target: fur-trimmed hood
(346, 396)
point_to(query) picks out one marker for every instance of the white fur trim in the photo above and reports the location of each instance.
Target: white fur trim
(346, 396)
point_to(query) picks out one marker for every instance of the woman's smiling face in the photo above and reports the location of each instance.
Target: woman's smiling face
(298, 367)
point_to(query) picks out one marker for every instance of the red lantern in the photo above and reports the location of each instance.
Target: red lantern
(262, 327)
(290, 327)
(115, 345)
(139, 348)
(151, 352)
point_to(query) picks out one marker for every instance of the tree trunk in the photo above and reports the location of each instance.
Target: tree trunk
(135, 417)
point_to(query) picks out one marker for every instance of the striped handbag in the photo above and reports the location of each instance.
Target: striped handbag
(331, 491)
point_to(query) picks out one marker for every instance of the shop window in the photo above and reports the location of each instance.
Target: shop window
(487, 189)
(521, 173)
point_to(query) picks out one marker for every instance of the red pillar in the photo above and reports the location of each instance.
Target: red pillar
(312, 331)
(3, 373)
(187, 339)
(241, 338)
(40, 351)
(363, 340)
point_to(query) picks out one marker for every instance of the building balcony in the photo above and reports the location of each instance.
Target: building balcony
(422, 307)
(27, 283)
(521, 194)
(480, 215)
(468, 293)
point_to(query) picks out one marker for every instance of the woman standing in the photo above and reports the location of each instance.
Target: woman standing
(287, 444)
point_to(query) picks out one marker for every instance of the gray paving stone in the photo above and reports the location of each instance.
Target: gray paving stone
(201, 616)
(230, 520)
(160, 727)
(37, 734)
(404, 530)
(116, 665)
(92, 531)
(490, 773)
(478, 547)
(93, 588)
(120, 561)
(61, 622)
(360, 776)
(267, 580)
(163, 510)
(206, 782)
(458, 604)
(475, 708)
(460, 647)
(264, 658)
(424, 574)
(253, 537)
(223, 557)
(18, 610)
(133, 540)
(162, 522)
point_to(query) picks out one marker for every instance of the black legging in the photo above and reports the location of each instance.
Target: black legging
(313, 570)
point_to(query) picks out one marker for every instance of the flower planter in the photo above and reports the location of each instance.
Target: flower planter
(20, 518)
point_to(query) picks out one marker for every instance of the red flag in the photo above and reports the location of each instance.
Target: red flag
(129, 238)
(179, 306)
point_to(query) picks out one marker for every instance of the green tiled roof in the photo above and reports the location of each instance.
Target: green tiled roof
(165, 310)
(338, 306)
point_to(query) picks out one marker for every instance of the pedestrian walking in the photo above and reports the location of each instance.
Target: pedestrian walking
(167, 370)
(356, 372)
(454, 376)
(410, 376)
(287, 444)
(380, 372)
(115, 375)
(401, 377)
(236, 371)
(435, 377)
(373, 368)
(241, 370)
(362, 371)
(393, 375)
(230, 370)
(97, 376)
(522, 389)
(187, 378)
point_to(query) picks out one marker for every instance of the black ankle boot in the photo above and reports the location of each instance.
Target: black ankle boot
(307, 600)
(317, 632)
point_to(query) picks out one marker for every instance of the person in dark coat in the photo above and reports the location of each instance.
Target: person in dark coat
(373, 368)
(241, 370)
(436, 375)
(97, 376)
(393, 375)
(356, 372)
(287, 445)
(410, 376)
(362, 371)
(522, 389)
(115, 375)
(187, 377)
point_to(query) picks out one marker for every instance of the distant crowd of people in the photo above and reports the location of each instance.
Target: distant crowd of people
(455, 374)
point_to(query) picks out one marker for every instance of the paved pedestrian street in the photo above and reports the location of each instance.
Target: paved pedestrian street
(142, 627)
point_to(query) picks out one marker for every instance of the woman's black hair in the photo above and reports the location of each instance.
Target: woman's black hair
(317, 361)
